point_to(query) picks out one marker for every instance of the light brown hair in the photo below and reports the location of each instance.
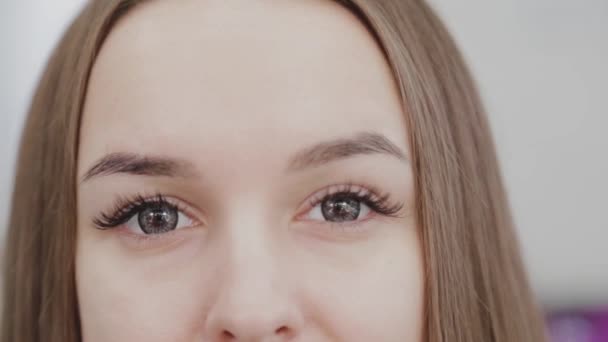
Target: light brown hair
(476, 287)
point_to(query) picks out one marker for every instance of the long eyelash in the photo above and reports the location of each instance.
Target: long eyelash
(126, 207)
(369, 195)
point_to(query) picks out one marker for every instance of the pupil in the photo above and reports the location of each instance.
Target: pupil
(341, 208)
(158, 219)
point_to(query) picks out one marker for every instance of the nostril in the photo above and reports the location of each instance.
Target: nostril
(227, 335)
(282, 331)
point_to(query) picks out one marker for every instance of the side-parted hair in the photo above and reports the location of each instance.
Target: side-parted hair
(476, 288)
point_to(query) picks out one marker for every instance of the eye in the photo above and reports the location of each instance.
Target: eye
(157, 219)
(340, 208)
(145, 216)
(349, 203)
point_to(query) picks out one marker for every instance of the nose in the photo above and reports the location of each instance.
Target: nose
(254, 301)
(253, 324)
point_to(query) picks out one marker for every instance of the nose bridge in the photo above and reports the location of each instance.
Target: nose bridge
(254, 300)
(252, 248)
(252, 268)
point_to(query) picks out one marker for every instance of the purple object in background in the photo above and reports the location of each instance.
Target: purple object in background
(582, 326)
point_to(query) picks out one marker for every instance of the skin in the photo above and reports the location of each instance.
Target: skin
(234, 94)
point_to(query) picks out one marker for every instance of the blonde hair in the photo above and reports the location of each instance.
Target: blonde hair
(476, 286)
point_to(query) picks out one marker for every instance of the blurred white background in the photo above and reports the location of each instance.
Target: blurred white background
(542, 69)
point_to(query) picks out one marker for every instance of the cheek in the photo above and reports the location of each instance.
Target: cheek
(367, 291)
(377, 295)
(125, 297)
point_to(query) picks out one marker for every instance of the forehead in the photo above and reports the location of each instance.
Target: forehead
(245, 78)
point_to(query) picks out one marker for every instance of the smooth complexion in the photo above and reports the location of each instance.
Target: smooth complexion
(245, 116)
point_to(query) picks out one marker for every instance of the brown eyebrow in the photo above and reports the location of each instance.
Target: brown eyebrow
(361, 144)
(135, 164)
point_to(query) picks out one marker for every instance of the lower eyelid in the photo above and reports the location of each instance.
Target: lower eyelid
(141, 236)
(149, 243)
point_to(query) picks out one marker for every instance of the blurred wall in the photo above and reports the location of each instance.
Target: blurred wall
(541, 68)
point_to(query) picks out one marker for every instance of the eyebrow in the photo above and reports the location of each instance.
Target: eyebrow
(135, 164)
(363, 143)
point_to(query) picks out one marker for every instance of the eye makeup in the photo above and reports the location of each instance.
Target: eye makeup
(370, 196)
(346, 208)
(340, 207)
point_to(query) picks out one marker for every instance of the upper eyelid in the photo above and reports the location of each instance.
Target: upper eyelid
(320, 195)
(341, 188)
(185, 207)
(307, 204)
(128, 203)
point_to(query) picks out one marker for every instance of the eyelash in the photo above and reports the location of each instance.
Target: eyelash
(372, 197)
(126, 207)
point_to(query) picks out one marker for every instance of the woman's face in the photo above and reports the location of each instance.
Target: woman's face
(244, 176)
